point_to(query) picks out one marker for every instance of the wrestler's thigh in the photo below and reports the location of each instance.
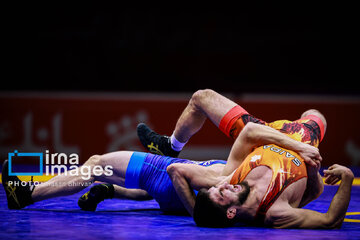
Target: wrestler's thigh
(118, 162)
(215, 105)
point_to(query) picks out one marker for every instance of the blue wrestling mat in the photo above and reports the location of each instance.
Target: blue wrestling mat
(60, 218)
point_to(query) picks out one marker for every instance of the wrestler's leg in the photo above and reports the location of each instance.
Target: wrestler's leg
(133, 194)
(63, 185)
(98, 193)
(316, 113)
(202, 105)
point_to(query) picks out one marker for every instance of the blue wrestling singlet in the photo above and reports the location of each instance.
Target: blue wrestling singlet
(148, 172)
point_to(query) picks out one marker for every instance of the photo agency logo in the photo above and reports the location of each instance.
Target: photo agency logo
(51, 164)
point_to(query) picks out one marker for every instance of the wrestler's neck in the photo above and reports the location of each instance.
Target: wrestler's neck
(247, 211)
(258, 180)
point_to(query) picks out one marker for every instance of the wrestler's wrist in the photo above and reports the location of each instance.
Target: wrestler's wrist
(301, 149)
(347, 174)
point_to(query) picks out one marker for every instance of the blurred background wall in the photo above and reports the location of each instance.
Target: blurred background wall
(96, 123)
(79, 77)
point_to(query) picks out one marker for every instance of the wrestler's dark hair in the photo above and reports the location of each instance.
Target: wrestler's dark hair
(207, 213)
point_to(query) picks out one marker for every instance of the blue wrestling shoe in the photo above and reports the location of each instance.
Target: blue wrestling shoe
(154, 142)
(18, 194)
(97, 194)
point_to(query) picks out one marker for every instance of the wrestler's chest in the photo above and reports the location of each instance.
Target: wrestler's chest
(260, 178)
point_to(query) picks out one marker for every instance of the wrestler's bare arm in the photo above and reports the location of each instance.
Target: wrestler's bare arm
(288, 217)
(254, 135)
(314, 185)
(186, 177)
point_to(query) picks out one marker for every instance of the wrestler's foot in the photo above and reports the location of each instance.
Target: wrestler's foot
(18, 195)
(90, 200)
(154, 142)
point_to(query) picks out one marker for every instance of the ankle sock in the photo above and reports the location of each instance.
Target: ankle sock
(176, 144)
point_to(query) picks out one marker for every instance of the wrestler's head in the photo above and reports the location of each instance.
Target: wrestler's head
(217, 206)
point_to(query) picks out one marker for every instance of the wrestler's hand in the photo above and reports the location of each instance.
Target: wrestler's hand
(311, 155)
(337, 172)
(313, 170)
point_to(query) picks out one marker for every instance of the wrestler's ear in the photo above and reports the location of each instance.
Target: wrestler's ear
(231, 212)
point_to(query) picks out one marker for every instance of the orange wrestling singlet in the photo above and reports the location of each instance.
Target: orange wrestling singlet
(287, 166)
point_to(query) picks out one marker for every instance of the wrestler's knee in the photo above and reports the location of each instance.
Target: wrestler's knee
(93, 168)
(316, 113)
(201, 96)
(94, 160)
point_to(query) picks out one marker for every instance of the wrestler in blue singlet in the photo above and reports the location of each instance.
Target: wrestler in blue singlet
(148, 172)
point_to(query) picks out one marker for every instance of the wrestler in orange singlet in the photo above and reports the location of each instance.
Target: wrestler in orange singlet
(287, 166)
